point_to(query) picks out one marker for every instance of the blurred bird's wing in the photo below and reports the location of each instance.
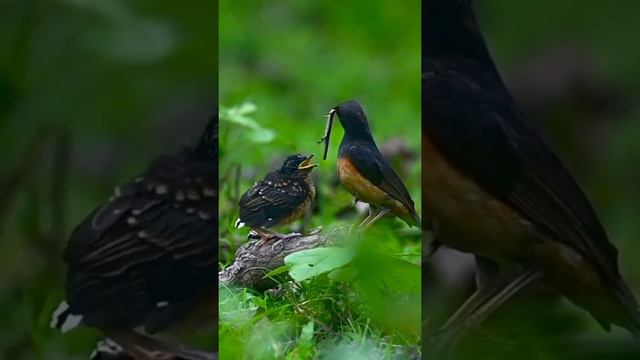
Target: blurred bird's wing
(482, 134)
(130, 258)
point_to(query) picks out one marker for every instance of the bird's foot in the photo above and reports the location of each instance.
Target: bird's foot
(316, 231)
(266, 235)
(443, 343)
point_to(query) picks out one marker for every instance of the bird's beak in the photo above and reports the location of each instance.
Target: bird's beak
(327, 133)
(306, 164)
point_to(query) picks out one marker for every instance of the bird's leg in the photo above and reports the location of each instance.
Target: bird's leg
(477, 308)
(374, 215)
(267, 235)
(369, 216)
(142, 347)
(480, 314)
(487, 282)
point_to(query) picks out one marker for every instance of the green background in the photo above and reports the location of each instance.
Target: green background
(90, 92)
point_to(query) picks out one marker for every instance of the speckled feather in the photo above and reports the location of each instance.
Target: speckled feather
(276, 200)
(128, 261)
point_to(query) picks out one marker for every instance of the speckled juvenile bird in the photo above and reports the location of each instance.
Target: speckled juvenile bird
(147, 259)
(280, 198)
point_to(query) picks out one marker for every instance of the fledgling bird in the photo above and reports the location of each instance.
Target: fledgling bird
(280, 198)
(495, 188)
(147, 259)
(364, 171)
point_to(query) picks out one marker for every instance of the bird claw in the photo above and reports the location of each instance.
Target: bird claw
(444, 341)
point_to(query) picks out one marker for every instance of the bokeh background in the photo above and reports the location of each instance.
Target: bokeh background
(283, 66)
(90, 92)
(574, 67)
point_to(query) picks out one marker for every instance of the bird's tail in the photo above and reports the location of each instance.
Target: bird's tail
(630, 308)
(412, 218)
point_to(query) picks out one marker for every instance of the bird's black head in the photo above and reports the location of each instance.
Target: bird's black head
(297, 163)
(449, 28)
(208, 143)
(353, 120)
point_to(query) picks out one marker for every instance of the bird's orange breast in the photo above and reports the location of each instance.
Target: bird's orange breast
(467, 217)
(366, 191)
(358, 185)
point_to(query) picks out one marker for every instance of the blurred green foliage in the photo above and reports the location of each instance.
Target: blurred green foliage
(90, 92)
(283, 66)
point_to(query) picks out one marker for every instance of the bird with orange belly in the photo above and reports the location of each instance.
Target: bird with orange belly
(494, 188)
(363, 170)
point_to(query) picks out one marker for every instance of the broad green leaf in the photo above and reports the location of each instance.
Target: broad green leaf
(309, 263)
(403, 276)
(343, 274)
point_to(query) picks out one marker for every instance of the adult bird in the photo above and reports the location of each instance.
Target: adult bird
(146, 260)
(495, 188)
(364, 171)
(280, 198)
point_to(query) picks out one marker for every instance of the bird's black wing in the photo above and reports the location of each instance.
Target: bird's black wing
(477, 127)
(151, 250)
(271, 200)
(370, 163)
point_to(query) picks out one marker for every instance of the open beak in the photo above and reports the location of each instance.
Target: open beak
(306, 164)
(327, 133)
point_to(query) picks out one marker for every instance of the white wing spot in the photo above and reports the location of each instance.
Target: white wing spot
(162, 189)
(59, 310)
(70, 322)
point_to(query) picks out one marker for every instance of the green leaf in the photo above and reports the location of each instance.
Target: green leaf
(236, 306)
(310, 263)
(402, 277)
(305, 344)
(241, 115)
(306, 335)
(343, 274)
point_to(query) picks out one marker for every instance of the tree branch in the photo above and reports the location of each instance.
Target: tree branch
(256, 258)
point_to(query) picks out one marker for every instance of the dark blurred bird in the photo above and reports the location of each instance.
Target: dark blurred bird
(280, 198)
(494, 187)
(363, 170)
(147, 259)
